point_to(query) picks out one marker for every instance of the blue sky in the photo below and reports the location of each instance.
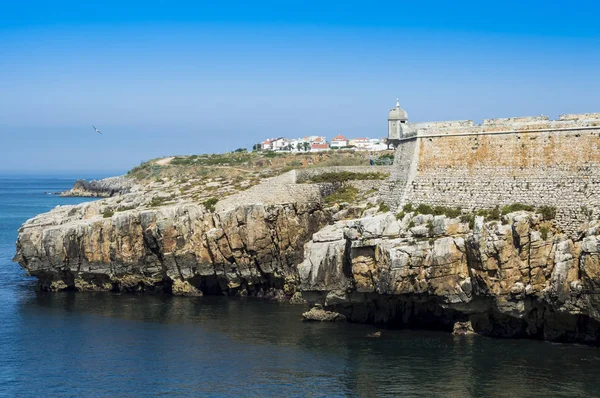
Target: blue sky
(162, 78)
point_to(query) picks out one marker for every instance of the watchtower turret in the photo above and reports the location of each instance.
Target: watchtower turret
(396, 119)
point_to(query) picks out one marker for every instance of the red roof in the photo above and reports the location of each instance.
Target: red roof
(318, 139)
(317, 145)
(340, 137)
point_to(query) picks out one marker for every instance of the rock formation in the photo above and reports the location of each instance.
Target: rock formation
(515, 278)
(104, 188)
(519, 276)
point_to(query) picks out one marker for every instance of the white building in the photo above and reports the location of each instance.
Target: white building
(339, 141)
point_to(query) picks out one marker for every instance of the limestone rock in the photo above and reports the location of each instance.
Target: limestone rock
(321, 315)
(463, 328)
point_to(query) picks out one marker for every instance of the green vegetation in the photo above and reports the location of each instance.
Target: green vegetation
(517, 207)
(108, 213)
(343, 176)
(157, 201)
(468, 219)
(587, 213)
(547, 212)
(226, 159)
(271, 154)
(344, 194)
(383, 207)
(494, 214)
(430, 227)
(450, 212)
(210, 203)
(385, 159)
(489, 214)
(266, 163)
(544, 230)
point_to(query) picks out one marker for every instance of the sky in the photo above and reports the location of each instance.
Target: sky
(163, 78)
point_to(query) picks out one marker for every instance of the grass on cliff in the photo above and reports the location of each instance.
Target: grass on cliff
(450, 212)
(346, 193)
(344, 176)
(493, 214)
(210, 203)
(265, 164)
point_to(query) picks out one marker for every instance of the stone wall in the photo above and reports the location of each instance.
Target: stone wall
(505, 164)
(303, 175)
(393, 191)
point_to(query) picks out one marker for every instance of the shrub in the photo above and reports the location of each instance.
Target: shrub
(430, 227)
(343, 176)
(468, 219)
(547, 212)
(489, 214)
(344, 194)
(400, 215)
(411, 224)
(494, 214)
(544, 230)
(517, 207)
(383, 207)
(210, 203)
(108, 213)
(407, 208)
(424, 209)
(451, 212)
(156, 201)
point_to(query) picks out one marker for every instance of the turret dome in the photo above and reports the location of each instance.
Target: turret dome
(398, 113)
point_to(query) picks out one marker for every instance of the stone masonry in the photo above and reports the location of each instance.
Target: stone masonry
(535, 161)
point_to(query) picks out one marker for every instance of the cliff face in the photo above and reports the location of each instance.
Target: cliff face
(180, 248)
(516, 278)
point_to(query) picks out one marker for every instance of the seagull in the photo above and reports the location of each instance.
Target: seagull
(96, 130)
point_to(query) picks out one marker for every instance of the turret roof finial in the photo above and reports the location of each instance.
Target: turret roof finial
(397, 102)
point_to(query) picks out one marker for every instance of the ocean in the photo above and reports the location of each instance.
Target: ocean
(103, 344)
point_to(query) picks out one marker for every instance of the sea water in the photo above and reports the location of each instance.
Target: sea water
(105, 344)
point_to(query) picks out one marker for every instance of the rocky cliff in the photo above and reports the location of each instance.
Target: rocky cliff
(517, 277)
(104, 188)
(168, 237)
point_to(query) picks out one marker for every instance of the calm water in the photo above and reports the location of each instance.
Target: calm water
(107, 344)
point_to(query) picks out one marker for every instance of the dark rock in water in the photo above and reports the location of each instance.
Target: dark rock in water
(463, 328)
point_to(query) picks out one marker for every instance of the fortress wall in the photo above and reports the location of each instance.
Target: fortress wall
(559, 169)
(392, 191)
(580, 116)
(572, 121)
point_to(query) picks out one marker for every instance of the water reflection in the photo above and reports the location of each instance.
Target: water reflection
(219, 345)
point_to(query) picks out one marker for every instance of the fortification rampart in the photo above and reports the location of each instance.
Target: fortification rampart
(535, 161)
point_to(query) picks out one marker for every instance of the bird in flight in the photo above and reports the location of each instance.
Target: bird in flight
(96, 130)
